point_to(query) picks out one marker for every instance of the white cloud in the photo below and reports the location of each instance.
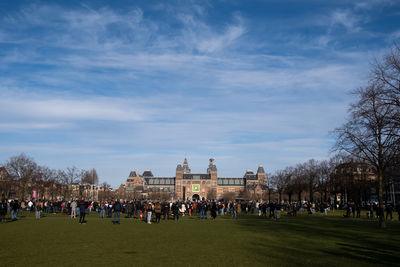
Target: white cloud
(94, 108)
(347, 19)
(15, 126)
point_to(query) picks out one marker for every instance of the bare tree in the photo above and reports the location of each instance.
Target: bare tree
(90, 177)
(71, 175)
(324, 171)
(212, 194)
(299, 180)
(386, 75)
(371, 134)
(7, 182)
(24, 170)
(47, 182)
(278, 180)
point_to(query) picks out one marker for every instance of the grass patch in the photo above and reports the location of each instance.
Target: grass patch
(305, 240)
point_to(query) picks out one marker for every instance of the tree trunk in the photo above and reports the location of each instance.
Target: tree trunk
(382, 223)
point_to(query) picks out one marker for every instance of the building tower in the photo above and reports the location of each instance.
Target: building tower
(178, 181)
(186, 168)
(212, 171)
(261, 175)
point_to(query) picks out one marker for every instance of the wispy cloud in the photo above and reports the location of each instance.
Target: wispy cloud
(139, 86)
(97, 108)
(347, 19)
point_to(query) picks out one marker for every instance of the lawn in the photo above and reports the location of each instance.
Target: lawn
(305, 240)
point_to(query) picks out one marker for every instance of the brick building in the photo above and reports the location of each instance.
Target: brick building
(188, 185)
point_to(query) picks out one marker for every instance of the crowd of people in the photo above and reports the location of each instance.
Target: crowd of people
(154, 211)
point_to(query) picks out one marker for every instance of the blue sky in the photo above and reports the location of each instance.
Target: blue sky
(122, 85)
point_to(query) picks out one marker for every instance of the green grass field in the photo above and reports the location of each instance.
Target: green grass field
(305, 240)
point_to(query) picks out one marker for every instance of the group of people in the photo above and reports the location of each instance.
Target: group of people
(149, 211)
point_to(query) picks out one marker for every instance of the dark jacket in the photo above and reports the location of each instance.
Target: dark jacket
(82, 207)
(117, 206)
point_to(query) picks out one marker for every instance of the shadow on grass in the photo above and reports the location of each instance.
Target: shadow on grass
(333, 238)
(130, 252)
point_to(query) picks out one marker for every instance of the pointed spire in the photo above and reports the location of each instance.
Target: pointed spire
(260, 169)
(186, 168)
(211, 166)
(179, 168)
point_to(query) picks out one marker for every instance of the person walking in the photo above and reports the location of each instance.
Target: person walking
(117, 207)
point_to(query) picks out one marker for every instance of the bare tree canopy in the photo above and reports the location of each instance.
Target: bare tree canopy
(371, 133)
(90, 177)
(71, 175)
(386, 75)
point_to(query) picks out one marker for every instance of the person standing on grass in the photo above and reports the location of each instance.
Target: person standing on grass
(174, 210)
(117, 207)
(398, 210)
(3, 210)
(278, 211)
(202, 207)
(165, 210)
(233, 210)
(157, 210)
(38, 208)
(149, 212)
(30, 205)
(389, 212)
(102, 210)
(182, 209)
(14, 209)
(129, 209)
(238, 208)
(82, 212)
(73, 209)
(214, 210)
(358, 211)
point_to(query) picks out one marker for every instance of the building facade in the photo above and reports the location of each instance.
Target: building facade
(194, 186)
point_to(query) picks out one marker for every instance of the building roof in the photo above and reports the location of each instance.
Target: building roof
(147, 173)
(249, 175)
(260, 169)
(179, 168)
(211, 166)
(198, 176)
(159, 180)
(132, 174)
(231, 181)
